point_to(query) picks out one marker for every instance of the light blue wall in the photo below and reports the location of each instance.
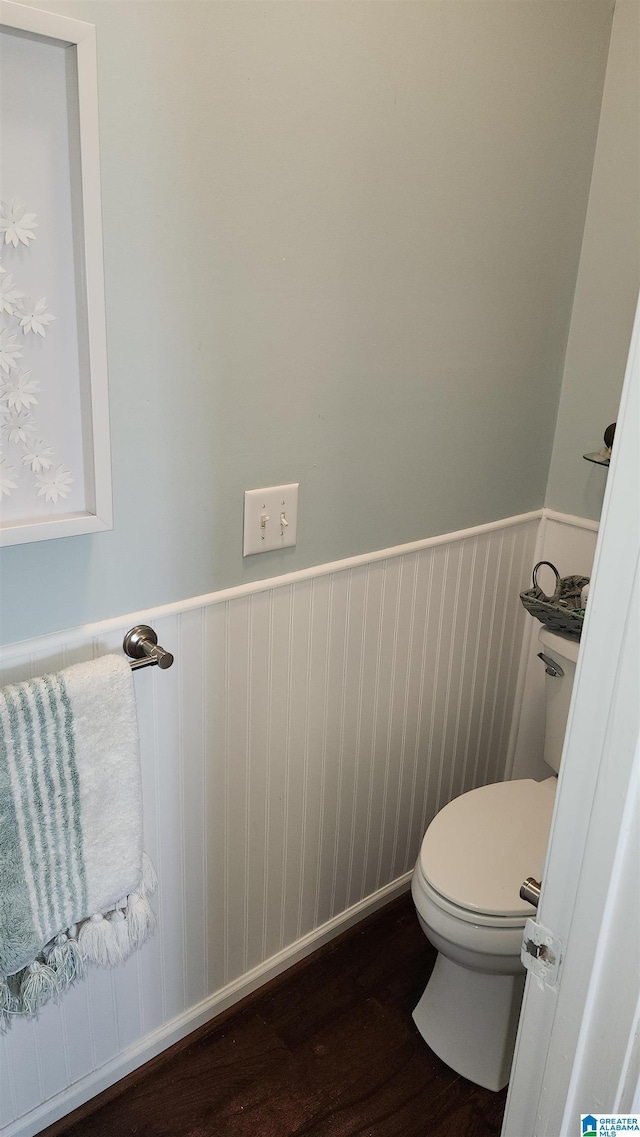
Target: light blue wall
(607, 285)
(341, 243)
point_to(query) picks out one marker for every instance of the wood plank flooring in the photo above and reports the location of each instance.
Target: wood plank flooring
(327, 1050)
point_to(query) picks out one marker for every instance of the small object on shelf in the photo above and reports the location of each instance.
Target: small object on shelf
(563, 612)
(603, 456)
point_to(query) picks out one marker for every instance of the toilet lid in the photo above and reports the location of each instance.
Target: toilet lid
(481, 846)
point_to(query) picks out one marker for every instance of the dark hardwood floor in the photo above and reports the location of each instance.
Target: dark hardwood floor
(327, 1050)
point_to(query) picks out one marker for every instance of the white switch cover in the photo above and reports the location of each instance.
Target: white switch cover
(270, 518)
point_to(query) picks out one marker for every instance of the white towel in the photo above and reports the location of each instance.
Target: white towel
(73, 878)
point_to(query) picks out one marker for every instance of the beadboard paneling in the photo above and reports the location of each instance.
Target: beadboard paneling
(292, 759)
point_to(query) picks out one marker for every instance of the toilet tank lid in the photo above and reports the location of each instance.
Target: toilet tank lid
(481, 847)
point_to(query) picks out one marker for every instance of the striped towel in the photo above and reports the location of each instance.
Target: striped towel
(73, 878)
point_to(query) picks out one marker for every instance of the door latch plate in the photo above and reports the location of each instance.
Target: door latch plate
(541, 952)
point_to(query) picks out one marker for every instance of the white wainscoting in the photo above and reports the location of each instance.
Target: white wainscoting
(292, 758)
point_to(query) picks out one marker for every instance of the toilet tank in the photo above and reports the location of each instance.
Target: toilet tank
(564, 652)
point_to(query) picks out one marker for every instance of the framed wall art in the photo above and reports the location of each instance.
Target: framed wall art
(55, 469)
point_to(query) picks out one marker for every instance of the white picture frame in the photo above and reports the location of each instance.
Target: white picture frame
(79, 41)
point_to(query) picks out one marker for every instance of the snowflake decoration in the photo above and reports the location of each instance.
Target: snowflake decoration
(18, 390)
(19, 427)
(35, 457)
(35, 318)
(38, 456)
(53, 484)
(8, 476)
(9, 350)
(9, 294)
(16, 224)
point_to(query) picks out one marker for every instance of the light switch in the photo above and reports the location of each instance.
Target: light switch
(270, 518)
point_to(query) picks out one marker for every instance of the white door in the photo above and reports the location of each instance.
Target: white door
(578, 1049)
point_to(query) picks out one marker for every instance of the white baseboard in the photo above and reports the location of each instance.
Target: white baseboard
(155, 1043)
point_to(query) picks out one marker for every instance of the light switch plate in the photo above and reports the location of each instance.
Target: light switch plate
(270, 518)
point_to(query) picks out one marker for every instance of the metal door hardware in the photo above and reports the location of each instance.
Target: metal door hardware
(542, 952)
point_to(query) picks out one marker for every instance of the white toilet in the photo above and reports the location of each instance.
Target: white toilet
(475, 855)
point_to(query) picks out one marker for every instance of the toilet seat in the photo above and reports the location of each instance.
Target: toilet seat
(425, 892)
(501, 831)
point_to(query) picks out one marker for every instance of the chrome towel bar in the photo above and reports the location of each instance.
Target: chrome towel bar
(141, 645)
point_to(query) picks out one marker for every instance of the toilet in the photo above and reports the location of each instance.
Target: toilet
(476, 853)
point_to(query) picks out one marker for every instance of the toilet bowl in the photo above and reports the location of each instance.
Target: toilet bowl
(474, 856)
(465, 886)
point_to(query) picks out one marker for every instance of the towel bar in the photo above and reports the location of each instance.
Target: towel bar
(141, 645)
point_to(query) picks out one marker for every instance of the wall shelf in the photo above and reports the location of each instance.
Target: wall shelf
(598, 457)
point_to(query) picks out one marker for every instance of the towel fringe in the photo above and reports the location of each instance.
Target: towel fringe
(98, 943)
(140, 918)
(149, 876)
(37, 986)
(7, 1005)
(65, 960)
(120, 926)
